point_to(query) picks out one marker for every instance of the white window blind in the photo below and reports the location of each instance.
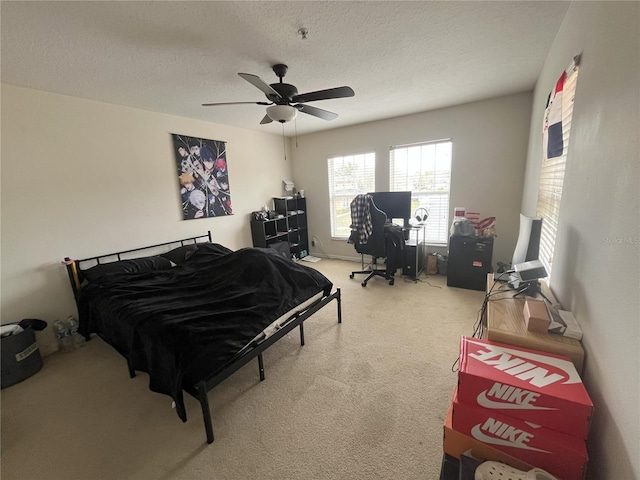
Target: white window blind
(349, 176)
(553, 167)
(425, 170)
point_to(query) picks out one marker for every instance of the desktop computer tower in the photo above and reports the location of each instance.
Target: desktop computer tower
(469, 262)
(413, 258)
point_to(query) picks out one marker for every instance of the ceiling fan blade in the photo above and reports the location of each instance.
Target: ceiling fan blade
(338, 92)
(266, 119)
(259, 83)
(235, 103)
(317, 112)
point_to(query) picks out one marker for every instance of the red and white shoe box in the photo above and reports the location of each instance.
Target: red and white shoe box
(537, 387)
(456, 444)
(561, 455)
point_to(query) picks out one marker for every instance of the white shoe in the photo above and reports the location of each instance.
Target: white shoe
(501, 471)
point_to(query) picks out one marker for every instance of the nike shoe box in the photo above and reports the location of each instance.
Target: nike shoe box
(456, 444)
(560, 454)
(530, 385)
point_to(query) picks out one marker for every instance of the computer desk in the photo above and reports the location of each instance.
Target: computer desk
(504, 323)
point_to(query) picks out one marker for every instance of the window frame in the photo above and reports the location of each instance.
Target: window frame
(347, 196)
(441, 214)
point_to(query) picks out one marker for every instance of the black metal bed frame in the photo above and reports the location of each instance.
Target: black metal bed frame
(201, 389)
(74, 267)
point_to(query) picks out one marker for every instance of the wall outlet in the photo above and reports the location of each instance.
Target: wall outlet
(313, 242)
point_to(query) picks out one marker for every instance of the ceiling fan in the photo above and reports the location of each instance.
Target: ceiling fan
(284, 100)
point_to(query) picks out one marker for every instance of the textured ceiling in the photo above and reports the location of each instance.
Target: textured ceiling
(170, 57)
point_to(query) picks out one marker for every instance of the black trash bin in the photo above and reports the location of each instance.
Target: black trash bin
(20, 357)
(442, 263)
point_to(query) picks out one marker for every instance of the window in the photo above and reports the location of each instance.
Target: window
(556, 129)
(425, 170)
(349, 176)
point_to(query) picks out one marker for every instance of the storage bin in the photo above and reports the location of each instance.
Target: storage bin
(20, 357)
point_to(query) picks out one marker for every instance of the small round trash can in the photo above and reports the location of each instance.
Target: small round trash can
(442, 264)
(20, 357)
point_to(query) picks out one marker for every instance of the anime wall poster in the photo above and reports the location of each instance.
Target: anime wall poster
(203, 177)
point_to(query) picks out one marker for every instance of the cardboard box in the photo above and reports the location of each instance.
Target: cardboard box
(432, 264)
(533, 386)
(564, 323)
(561, 455)
(456, 444)
(573, 328)
(536, 316)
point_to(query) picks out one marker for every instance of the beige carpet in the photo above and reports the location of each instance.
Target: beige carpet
(361, 400)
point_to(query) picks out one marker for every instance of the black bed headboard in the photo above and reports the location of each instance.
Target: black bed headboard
(74, 267)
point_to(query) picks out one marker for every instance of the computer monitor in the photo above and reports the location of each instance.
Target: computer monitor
(527, 268)
(394, 204)
(528, 244)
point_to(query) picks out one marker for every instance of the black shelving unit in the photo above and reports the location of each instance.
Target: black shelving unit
(289, 225)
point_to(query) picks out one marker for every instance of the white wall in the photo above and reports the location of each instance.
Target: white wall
(82, 178)
(489, 153)
(596, 263)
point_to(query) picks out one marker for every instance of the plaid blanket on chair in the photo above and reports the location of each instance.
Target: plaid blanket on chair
(361, 225)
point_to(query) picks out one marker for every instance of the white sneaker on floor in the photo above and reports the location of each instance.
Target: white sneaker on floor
(501, 471)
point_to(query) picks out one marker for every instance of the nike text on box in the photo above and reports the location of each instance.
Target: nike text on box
(456, 444)
(560, 454)
(533, 386)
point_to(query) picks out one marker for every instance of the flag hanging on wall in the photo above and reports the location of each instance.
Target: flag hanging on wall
(552, 130)
(558, 113)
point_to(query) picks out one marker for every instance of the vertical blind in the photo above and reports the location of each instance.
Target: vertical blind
(425, 170)
(552, 171)
(349, 176)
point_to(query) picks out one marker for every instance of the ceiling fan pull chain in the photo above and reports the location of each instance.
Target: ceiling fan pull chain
(284, 143)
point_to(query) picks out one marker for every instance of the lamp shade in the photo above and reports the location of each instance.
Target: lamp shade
(282, 113)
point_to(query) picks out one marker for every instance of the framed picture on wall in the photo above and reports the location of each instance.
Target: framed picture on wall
(203, 177)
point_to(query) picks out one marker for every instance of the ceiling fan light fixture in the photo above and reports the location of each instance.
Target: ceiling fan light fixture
(282, 113)
(282, 95)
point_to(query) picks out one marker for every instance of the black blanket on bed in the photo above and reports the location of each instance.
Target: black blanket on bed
(185, 323)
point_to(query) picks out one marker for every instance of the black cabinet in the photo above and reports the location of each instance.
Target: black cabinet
(288, 225)
(469, 262)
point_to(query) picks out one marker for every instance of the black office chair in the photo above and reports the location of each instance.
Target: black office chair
(375, 245)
